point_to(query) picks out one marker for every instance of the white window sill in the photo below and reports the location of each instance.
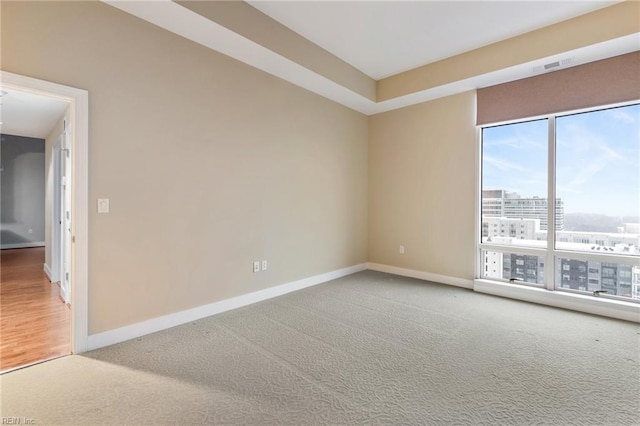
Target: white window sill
(627, 311)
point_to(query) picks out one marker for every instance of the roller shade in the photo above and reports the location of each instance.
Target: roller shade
(603, 82)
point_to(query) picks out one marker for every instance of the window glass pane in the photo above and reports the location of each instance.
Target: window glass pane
(610, 278)
(598, 180)
(514, 184)
(520, 268)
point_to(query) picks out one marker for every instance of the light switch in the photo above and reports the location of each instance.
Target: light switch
(103, 205)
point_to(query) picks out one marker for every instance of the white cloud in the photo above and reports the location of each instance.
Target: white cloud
(585, 173)
(619, 114)
(517, 142)
(502, 164)
(582, 155)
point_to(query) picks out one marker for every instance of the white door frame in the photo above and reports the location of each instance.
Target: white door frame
(79, 112)
(56, 217)
(66, 184)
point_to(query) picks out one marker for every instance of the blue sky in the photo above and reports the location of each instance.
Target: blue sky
(597, 160)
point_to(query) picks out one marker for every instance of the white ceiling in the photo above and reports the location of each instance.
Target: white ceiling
(29, 114)
(382, 38)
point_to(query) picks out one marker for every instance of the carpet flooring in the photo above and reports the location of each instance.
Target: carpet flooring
(370, 348)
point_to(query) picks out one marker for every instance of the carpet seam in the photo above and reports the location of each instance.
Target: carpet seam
(313, 337)
(442, 333)
(405, 303)
(288, 365)
(385, 338)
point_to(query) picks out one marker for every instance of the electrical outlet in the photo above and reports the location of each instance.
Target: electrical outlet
(256, 266)
(103, 205)
(264, 265)
(401, 249)
(30, 231)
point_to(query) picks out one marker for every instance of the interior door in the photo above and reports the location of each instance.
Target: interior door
(65, 213)
(56, 219)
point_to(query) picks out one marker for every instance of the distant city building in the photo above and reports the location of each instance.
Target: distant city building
(523, 229)
(524, 267)
(509, 219)
(502, 203)
(635, 283)
(610, 278)
(600, 241)
(513, 266)
(631, 228)
(589, 276)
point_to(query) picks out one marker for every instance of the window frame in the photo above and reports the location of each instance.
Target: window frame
(551, 254)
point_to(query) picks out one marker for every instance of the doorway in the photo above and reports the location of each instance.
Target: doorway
(67, 263)
(61, 212)
(35, 322)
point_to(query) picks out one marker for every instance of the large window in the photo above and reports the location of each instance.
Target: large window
(564, 191)
(514, 184)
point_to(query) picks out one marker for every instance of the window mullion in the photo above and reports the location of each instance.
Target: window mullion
(478, 204)
(550, 269)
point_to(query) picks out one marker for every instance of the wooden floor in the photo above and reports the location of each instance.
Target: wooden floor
(34, 322)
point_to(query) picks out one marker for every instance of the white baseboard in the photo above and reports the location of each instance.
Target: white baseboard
(422, 275)
(22, 245)
(618, 309)
(153, 325)
(48, 272)
(52, 277)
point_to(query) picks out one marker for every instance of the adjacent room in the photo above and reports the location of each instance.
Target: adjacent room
(326, 212)
(35, 311)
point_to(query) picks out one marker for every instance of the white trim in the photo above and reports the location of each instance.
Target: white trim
(79, 111)
(22, 245)
(590, 256)
(64, 293)
(477, 238)
(576, 302)
(56, 217)
(501, 248)
(422, 275)
(80, 215)
(48, 272)
(153, 325)
(550, 259)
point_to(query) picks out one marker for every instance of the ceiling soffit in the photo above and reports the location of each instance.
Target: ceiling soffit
(267, 45)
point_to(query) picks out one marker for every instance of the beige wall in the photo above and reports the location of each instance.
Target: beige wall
(209, 163)
(422, 186)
